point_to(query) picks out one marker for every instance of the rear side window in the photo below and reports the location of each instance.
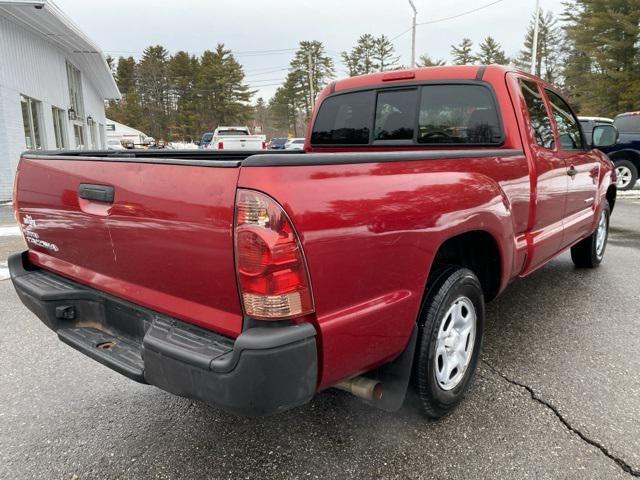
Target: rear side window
(395, 115)
(540, 121)
(458, 114)
(344, 120)
(569, 131)
(628, 124)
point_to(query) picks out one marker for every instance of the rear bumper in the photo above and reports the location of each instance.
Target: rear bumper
(262, 371)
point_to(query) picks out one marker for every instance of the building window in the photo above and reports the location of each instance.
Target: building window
(78, 133)
(59, 127)
(77, 104)
(93, 135)
(75, 90)
(103, 143)
(31, 119)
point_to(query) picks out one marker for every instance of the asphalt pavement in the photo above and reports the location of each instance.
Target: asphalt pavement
(557, 395)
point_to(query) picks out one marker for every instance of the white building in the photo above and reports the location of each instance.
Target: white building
(53, 83)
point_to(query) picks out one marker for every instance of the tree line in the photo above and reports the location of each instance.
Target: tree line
(591, 51)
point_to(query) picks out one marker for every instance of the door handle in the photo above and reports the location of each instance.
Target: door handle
(572, 172)
(98, 193)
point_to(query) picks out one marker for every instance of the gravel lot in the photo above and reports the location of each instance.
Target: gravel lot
(557, 395)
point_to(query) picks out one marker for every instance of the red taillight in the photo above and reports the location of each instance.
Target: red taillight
(272, 272)
(220, 145)
(264, 145)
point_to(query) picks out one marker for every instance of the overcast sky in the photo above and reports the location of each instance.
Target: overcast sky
(249, 27)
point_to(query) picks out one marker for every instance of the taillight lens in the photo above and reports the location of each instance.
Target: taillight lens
(272, 272)
(264, 145)
(220, 145)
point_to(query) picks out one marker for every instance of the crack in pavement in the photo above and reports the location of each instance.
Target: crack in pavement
(621, 463)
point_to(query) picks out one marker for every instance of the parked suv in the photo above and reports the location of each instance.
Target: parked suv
(625, 154)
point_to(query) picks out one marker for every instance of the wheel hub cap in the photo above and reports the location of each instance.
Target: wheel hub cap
(454, 345)
(624, 176)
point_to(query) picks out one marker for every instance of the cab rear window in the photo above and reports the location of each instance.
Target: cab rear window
(447, 114)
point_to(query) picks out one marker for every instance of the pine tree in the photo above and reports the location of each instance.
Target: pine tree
(310, 70)
(370, 54)
(426, 61)
(126, 75)
(261, 117)
(462, 53)
(153, 88)
(602, 69)
(224, 97)
(183, 71)
(127, 110)
(491, 52)
(285, 106)
(359, 60)
(384, 54)
(548, 54)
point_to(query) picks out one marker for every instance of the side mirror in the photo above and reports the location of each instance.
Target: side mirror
(604, 136)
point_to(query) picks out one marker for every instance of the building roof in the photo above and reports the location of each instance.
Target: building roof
(44, 18)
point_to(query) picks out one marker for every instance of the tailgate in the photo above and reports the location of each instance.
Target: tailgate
(164, 241)
(236, 142)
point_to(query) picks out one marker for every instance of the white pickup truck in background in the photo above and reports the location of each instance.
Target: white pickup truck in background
(236, 138)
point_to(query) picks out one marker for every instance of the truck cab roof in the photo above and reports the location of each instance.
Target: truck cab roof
(448, 72)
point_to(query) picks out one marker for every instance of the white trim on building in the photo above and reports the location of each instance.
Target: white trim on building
(45, 61)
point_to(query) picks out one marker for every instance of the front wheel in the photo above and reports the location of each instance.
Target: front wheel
(627, 174)
(451, 331)
(588, 253)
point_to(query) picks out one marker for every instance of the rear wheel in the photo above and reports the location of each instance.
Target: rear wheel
(451, 331)
(627, 174)
(589, 252)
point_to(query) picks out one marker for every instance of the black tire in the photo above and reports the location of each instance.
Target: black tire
(446, 287)
(633, 171)
(585, 253)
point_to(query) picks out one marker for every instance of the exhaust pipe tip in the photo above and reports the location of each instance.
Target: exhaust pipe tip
(362, 387)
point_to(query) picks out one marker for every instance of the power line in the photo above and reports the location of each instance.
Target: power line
(444, 19)
(241, 53)
(461, 14)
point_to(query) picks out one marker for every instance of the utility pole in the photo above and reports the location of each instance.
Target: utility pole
(534, 46)
(413, 35)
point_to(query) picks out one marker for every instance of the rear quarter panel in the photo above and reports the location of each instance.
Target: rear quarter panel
(370, 232)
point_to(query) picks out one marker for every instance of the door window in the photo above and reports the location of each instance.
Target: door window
(538, 115)
(568, 126)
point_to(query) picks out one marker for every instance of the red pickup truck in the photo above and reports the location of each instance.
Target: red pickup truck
(252, 281)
